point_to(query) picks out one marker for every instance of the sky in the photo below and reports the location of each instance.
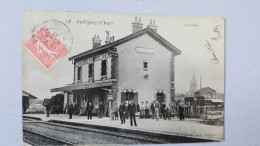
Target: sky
(191, 35)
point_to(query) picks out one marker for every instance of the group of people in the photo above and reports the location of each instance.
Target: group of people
(156, 109)
(159, 110)
(127, 110)
(89, 108)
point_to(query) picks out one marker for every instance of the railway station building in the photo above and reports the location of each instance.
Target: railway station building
(138, 68)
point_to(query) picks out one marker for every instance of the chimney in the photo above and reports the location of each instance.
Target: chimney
(152, 25)
(107, 38)
(137, 25)
(96, 41)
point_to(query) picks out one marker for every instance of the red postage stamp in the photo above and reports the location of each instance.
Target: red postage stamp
(45, 47)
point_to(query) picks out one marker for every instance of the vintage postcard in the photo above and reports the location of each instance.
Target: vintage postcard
(99, 79)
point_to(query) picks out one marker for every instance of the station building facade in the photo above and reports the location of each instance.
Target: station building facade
(138, 67)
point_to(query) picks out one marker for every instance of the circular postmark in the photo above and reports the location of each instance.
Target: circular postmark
(50, 41)
(59, 29)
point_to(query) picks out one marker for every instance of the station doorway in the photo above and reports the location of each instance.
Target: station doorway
(160, 98)
(127, 97)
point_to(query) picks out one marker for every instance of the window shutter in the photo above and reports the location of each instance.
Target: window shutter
(84, 72)
(109, 67)
(97, 70)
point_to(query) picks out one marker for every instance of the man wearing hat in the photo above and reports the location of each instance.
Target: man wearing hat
(70, 110)
(147, 107)
(122, 113)
(153, 110)
(163, 109)
(181, 111)
(132, 109)
(156, 108)
(142, 110)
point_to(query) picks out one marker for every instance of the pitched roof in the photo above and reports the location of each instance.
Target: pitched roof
(153, 34)
(199, 97)
(204, 89)
(189, 98)
(28, 94)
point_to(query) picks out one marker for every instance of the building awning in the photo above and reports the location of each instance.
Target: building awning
(73, 87)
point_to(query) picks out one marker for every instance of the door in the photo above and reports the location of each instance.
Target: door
(128, 97)
(160, 98)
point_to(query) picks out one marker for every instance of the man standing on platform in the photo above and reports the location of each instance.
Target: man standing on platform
(70, 110)
(48, 108)
(163, 110)
(126, 111)
(89, 110)
(142, 110)
(181, 111)
(116, 112)
(101, 110)
(153, 110)
(132, 109)
(156, 107)
(147, 107)
(122, 113)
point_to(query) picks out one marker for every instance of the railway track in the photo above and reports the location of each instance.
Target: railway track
(35, 139)
(122, 135)
(87, 135)
(65, 134)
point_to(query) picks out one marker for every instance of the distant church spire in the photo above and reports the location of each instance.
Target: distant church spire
(193, 84)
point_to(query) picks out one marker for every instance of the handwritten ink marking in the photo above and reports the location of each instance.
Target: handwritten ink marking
(214, 58)
(217, 32)
(217, 29)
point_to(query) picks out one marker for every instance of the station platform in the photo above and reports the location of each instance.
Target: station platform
(189, 127)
